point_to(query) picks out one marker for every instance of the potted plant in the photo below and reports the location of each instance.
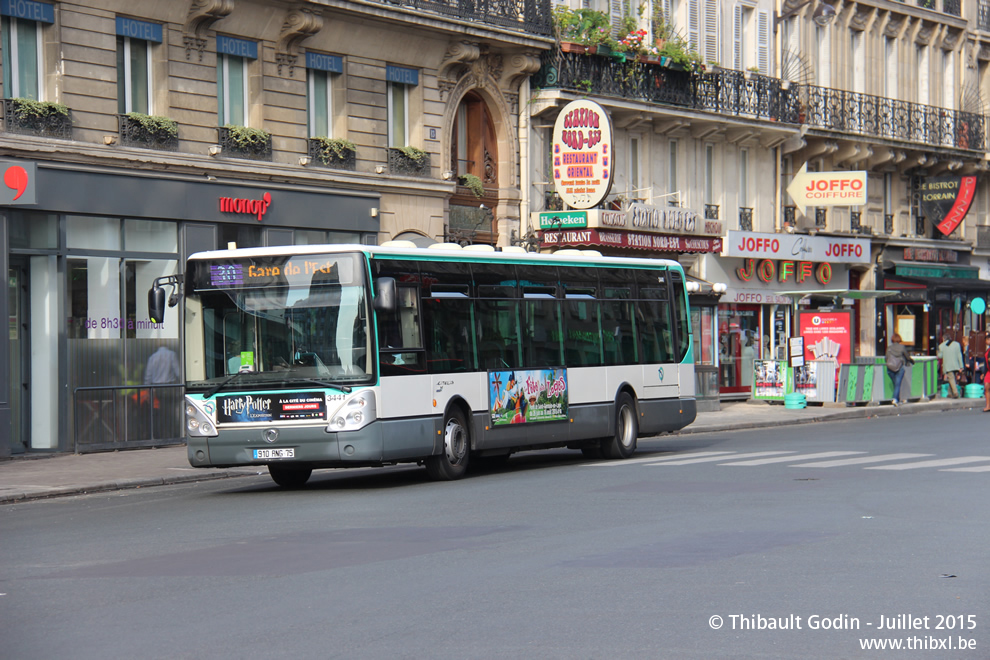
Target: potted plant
(408, 160)
(44, 118)
(338, 153)
(150, 131)
(472, 183)
(582, 30)
(245, 142)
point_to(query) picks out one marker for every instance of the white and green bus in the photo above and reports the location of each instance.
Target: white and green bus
(310, 357)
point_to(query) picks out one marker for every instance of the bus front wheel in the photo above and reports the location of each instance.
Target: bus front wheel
(452, 462)
(622, 444)
(289, 477)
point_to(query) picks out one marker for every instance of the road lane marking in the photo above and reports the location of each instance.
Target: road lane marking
(936, 463)
(709, 459)
(975, 468)
(859, 461)
(654, 459)
(787, 459)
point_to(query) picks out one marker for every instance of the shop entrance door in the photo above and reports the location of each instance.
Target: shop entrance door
(20, 352)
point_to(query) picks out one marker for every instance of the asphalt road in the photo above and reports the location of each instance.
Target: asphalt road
(830, 530)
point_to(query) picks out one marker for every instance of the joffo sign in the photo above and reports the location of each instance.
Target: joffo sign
(832, 249)
(768, 270)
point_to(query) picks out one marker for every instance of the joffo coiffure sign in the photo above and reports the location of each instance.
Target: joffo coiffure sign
(582, 154)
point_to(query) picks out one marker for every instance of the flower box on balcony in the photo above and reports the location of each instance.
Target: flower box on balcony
(41, 118)
(148, 131)
(581, 49)
(335, 153)
(244, 142)
(408, 161)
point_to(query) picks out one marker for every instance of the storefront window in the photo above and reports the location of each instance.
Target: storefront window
(739, 345)
(244, 236)
(86, 232)
(33, 231)
(150, 236)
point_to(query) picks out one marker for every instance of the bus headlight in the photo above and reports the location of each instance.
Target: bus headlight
(198, 423)
(356, 413)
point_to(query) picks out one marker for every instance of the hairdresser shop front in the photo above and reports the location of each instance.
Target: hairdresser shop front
(754, 319)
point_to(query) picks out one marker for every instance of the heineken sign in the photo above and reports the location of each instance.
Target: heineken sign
(946, 200)
(564, 220)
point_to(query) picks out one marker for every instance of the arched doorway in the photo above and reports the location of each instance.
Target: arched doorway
(474, 161)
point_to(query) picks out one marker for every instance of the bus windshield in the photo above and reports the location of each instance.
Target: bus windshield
(277, 321)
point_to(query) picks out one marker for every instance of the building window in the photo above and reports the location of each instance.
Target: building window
(400, 80)
(134, 82)
(672, 173)
(233, 58)
(474, 148)
(743, 178)
(21, 58)
(321, 72)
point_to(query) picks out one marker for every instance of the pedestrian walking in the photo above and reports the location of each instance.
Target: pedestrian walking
(986, 373)
(897, 358)
(950, 352)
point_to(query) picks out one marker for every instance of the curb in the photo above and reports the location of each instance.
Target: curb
(126, 484)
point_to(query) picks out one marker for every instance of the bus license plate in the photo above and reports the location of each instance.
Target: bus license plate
(274, 453)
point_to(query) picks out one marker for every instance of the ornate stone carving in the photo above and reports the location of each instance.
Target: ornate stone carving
(204, 13)
(445, 87)
(194, 44)
(283, 60)
(459, 54)
(300, 23)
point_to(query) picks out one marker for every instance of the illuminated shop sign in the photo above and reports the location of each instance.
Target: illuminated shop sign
(768, 270)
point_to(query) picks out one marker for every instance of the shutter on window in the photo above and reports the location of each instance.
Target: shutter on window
(737, 37)
(694, 24)
(763, 41)
(711, 39)
(615, 15)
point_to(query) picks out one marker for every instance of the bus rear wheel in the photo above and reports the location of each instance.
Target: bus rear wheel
(289, 477)
(622, 444)
(452, 462)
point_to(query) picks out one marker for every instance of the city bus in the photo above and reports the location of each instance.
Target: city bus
(306, 357)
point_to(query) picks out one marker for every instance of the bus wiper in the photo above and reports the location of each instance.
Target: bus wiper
(219, 386)
(322, 383)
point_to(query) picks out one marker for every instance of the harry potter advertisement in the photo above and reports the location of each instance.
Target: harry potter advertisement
(532, 395)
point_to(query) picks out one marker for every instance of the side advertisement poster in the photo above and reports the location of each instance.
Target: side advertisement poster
(533, 395)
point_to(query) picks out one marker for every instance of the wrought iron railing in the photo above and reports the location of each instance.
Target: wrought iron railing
(260, 149)
(790, 216)
(821, 218)
(135, 134)
(983, 16)
(877, 116)
(532, 16)
(400, 163)
(711, 211)
(854, 221)
(43, 120)
(745, 219)
(322, 155)
(888, 224)
(746, 94)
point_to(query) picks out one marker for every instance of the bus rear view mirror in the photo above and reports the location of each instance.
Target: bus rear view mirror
(385, 294)
(156, 304)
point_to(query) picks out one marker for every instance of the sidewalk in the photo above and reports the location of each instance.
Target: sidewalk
(23, 479)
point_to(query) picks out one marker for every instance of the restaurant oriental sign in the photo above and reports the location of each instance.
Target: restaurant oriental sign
(582, 154)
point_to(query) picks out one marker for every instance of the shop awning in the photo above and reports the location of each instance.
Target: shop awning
(943, 283)
(837, 294)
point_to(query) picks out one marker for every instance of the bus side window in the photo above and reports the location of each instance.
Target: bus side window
(681, 322)
(400, 345)
(618, 331)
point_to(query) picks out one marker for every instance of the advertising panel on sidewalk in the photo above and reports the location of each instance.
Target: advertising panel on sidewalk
(827, 335)
(533, 395)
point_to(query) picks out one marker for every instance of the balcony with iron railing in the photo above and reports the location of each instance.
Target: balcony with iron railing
(531, 16)
(721, 91)
(877, 116)
(745, 219)
(754, 96)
